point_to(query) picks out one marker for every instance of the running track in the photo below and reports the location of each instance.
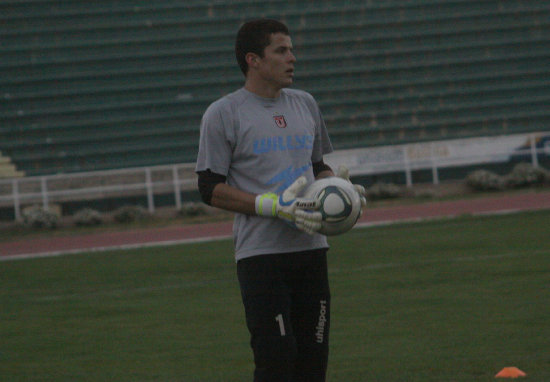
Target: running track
(42, 247)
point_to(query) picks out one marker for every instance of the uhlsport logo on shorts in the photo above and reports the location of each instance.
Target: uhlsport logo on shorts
(320, 328)
(280, 121)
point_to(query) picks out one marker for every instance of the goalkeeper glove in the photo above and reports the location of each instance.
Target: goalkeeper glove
(297, 212)
(343, 173)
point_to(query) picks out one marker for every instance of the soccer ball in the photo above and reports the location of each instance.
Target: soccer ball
(340, 204)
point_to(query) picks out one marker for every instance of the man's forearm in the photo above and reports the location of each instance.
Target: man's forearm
(230, 198)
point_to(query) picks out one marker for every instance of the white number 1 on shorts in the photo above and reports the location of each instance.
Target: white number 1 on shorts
(279, 319)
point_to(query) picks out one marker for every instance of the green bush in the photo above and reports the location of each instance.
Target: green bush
(484, 180)
(526, 175)
(522, 175)
(192, 209)
(380, 191)
(38, 217)
(129, 214)
(87, 217)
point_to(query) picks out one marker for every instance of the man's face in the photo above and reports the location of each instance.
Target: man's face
(277, 65)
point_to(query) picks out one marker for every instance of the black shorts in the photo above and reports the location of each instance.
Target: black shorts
(287, 305)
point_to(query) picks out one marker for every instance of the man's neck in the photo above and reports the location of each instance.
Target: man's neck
(262, 90)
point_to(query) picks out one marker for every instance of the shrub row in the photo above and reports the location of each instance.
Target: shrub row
(522, 175)
(38, 217)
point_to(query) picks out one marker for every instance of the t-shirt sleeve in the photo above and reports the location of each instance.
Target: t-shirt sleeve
(215, 143)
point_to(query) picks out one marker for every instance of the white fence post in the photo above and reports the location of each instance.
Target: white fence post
(534, 157)
(149, 186)
(16, 205)
(407, 165)
(435, 172)
(177, 188)
(44, 190)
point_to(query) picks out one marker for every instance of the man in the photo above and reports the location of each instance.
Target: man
(259, 147)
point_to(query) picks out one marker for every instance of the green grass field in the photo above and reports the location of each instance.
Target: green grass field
(446, 300)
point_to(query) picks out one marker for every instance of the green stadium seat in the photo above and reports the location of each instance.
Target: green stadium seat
(102, 85)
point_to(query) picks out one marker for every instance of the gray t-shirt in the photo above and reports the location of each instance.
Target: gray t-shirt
(263, 145)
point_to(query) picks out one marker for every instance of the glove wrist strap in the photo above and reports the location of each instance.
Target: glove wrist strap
(266, 204)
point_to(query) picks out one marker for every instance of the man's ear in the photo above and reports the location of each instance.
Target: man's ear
(252, 60)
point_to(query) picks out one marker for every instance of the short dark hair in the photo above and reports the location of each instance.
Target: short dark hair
(254, 36)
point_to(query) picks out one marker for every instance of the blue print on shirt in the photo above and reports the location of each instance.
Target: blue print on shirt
(287, 177)
(283, 143)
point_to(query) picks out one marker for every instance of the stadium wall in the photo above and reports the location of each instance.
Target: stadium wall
(106, 84)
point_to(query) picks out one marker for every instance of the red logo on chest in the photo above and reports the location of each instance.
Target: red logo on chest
(280, 121)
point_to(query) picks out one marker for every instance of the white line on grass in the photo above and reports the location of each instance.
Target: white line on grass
(25, 256)
(382, 223)
(124, 293)
(371, 267)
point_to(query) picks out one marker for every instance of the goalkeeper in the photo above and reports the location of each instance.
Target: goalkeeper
(259, 147)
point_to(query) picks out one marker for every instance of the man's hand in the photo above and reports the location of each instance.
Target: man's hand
(298, 212)
(343, 173)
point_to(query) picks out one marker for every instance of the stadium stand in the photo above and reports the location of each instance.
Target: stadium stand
(110, 84)
(7, 169)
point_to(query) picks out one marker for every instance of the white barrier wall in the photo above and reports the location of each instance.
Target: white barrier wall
(441, 154)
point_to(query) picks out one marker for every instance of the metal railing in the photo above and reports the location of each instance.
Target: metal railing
(148, 181)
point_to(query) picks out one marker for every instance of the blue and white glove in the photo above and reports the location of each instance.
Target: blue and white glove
(343, 173)
(298, 212)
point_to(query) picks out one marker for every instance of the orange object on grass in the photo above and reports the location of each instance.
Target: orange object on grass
(510, 372)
